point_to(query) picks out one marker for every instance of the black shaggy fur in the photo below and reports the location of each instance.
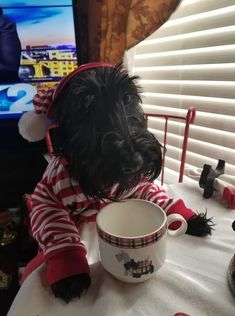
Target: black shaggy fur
(71, 287)
(200, 225)
(102, 133)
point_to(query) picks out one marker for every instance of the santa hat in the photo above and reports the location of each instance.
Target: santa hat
(33, 125)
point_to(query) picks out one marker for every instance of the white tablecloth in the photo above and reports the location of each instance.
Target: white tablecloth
(193, 280)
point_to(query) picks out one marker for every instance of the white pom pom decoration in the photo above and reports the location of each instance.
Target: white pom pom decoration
(32, 126)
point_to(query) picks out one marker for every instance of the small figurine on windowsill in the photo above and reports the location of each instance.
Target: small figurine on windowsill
(231, 270)
(215, 180)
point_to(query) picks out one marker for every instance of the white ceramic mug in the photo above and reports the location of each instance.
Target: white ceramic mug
(132, 238)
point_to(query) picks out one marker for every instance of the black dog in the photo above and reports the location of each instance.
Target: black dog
(103, 136)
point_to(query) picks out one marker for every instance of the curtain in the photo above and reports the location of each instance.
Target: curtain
(190, 61)
(107, 28)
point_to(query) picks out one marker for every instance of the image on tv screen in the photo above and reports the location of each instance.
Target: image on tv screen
(37, 49)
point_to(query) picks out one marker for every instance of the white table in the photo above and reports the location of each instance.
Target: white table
(193, 280)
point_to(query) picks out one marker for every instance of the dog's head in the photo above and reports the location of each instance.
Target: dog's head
(102, 132)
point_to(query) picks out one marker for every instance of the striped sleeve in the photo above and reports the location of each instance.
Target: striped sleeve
(150, 191)
(52, 227)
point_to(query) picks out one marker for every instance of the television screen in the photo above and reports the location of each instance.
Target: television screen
(37, 49)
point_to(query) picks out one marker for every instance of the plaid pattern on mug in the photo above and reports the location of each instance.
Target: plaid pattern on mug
(132, 243)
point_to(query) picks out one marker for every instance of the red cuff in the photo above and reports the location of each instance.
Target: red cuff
(180, 208)
(65, 264)
(229, 196)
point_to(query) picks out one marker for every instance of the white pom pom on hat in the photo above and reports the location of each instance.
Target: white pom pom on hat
(33, 126)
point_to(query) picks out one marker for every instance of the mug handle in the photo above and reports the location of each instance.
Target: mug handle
(179, 231)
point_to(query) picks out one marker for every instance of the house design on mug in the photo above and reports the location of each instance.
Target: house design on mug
(135, 268)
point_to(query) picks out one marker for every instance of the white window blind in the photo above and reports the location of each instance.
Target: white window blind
(190, 61)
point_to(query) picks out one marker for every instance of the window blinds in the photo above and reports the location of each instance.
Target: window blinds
(190, 61)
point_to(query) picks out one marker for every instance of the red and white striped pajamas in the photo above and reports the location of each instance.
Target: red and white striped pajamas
(58, 208)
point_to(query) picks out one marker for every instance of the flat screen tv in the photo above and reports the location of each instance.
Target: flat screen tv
(38, 48)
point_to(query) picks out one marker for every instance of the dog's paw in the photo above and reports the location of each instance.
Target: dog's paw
(200, 225)
(71, 287)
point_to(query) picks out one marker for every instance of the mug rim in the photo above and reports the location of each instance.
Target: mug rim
(154, 232)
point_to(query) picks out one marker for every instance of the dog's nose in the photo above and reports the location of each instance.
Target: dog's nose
(134, 165)
(130, 170)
